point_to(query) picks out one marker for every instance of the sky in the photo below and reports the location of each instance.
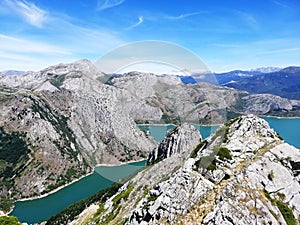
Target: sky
(226, 35)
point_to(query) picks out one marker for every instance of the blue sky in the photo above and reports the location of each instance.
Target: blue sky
(226, 35)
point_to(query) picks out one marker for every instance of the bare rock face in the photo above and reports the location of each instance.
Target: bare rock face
(177, 141)
(149, 97)
(260, 185)
(62, 122)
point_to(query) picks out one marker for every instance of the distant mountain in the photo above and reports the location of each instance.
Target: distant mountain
(268, 80)
(187, 79)
(227, 77)
(266, 69)
(13, 72)
(284, 83)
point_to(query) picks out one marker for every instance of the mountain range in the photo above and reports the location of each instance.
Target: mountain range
(282, 82)
(57, 124)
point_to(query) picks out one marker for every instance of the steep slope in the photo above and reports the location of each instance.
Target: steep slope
(177, 140)
(57, 124)
(243, 174)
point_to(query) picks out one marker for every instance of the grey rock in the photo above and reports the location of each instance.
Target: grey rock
(177, 141)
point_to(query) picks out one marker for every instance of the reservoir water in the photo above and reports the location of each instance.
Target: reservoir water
(38, 210)
(41, 209)
(289, 129)
(158, 132)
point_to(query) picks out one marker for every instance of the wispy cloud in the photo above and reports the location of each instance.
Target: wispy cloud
(281, 4)
(140, 21)
(249, 19)
(13, 44)
(24, 54)
(182, 16)
(106, 4)
(28, 11)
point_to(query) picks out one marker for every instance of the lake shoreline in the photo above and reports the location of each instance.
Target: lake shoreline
(55, 190)
(119, 164)
(165, 125)
(280, 117)
(77, 179)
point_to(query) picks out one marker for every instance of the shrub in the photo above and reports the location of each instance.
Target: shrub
(9, 220)
(206, 162)
(224, 153)
(286, 212)
(198, 147)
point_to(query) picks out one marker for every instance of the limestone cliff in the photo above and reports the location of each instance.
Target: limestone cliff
(57, 124)
(177, 141)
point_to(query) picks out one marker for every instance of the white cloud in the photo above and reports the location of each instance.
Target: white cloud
(28, 11)
(141, 20)
(106, 4)
(182, 16)
(23, 54)
(248, 19)
(13, 44)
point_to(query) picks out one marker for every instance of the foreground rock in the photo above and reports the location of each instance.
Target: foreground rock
(243, 174)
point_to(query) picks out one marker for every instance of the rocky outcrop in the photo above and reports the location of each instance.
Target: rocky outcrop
(260, 183)
(177, 141)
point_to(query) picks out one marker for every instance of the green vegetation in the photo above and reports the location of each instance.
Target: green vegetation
(107, 79)
(198, 147)
(284, 209)
(69, 213)
(5, 204)
(271, 175)
(70, 175)
(60, 124)
(286, 212)
(123, 195)
(171, 119)
(224, 153)
(152, 198)
(116, 207)
(267, 194)
(9, 220)
(208, 162)
(13, 154)
(58, 80)
(226, 128)
(12, 147)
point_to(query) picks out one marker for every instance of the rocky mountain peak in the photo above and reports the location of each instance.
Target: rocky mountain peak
(250, 133)
(178, 140)
(55, 75)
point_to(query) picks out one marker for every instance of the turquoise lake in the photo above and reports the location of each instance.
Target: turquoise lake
(158, 132)
(289, 129)
(38, 210)
(41, 209)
